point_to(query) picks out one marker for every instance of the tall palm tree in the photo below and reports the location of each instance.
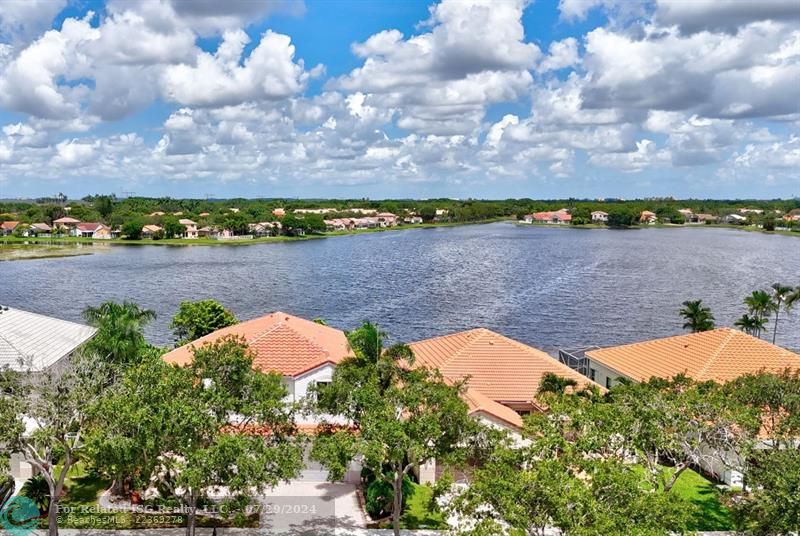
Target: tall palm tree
(780, 295)
(698, 317)
(367, 343)
(751, 324)
(119, 338)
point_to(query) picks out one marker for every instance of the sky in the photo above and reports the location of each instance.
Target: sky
(400, 99)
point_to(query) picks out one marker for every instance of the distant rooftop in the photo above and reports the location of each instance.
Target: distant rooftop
(37, 340)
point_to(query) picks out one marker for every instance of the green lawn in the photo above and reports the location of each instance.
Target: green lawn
(418, 514)
(701, 492)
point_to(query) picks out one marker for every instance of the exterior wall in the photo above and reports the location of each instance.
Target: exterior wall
(20, 469)
(603, 375)
(723, 467)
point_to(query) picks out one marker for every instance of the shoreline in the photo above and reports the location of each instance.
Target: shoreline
(596, 226)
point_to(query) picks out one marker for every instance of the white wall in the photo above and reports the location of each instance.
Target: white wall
(603, 373)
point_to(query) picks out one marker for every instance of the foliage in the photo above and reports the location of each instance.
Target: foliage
(553, 383)
(119, 338)
(622, 217)
(172, 227)
(196, 319)
(132, 229)
(379, 498)
(698, 317)
(59, 402)
(400, 416)
(217, 422)
(37, 489)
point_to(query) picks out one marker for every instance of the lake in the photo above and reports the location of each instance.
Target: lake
(547, 287)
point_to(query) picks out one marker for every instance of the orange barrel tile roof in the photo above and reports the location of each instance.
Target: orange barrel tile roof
(280, 342)
(499, 368)
(721, 354)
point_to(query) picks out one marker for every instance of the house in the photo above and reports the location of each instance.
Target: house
(149, 230)
(33, 343)
(365, 223)
(751, 211)
(92, 230)
(734, 219)
(503, 377)
(37, 229)
(719, 355)
(279, 213)
(303, 352)
(191, 228)
(704, 218)
(7, 228)
(156, 214)
(314, 210)
(179, 213)
(648, 217)
(66, 223)
(561, 216)
(234, 210)
(386, 219)
(204, 214)
(686, 213)
(412, 220)
(339, 224)
(265, 228)
(598, 216)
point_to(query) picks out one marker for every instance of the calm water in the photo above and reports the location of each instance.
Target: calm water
(547, 287)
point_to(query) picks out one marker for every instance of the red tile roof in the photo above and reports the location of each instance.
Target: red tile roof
(9, 225)
(281, 343)
(721, 355)
(499, 369)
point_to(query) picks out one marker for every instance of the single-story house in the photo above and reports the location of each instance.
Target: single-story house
(648, 217)
(387, 219)
(149, 230)
(339, 224)
(719, 355)
(36, 343)
(560, 216)
(191, 228)
(413, 220)
(279, 213)
(598, 216)
(8, 227)
(37, 229)
(687, 213)
(156, 214)
(92, 230)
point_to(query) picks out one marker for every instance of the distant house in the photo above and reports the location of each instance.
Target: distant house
(648, 217)
(66, 223)
(751, 211)
(686, 213)
(279, 213)
(265, 228)
(191, 228)
(734, 218)
(179, 213)
(386, 219)
(339, 224)
(37, 229)
(149, 230)
(204, 215)
(156, 214)
(598, 216)
(92, 230)
(8, 227)
(560, 216)
(413, 220)
(33, 343)
(234, 210)
(703, 218)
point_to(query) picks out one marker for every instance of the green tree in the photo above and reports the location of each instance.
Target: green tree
(622, 217)
(751, 324)
(217, 422)
(132, 229)
(780, 295)
(236, 222)
(104, 205)
(400, 416)
(698, 317)
(196, 319)
(173, 228)
(58, 402)
(37, 489)
(555, 384)
(119, 338)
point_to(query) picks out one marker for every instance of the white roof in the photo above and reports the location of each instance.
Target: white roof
(37, 340)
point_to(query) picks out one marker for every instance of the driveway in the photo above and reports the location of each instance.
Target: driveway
(308, 508)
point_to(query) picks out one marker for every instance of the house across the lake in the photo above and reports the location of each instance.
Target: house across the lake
(8, 227)
(598, 216)
(190, 228)
(561, 216)
(92, 230)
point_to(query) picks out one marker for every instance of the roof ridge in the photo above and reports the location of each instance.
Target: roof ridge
(481, 333)
(701, 373)
(283, 323)
(13, 347)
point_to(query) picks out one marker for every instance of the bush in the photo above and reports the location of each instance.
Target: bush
(37, 490)
(379, 497)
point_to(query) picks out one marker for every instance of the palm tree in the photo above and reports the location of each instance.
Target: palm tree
(792, 298)
(37, 490)
(367, 344)
(760, 303)
(553, 383)
(119, 338)
(698, 317)
(751, 324)
(781, 295)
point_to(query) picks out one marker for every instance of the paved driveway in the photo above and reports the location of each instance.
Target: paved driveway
(308, 508)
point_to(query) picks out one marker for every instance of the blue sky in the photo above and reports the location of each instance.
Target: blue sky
(458, 98)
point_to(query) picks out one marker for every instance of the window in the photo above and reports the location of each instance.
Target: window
(321, 386)
(608, 383)
(592, 374)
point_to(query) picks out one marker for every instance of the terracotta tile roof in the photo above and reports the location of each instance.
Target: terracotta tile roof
(281, 343)
(89, 226)
(482, 404)
(66, 220)
(721, 354)
(499, 369)
(9, 225)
